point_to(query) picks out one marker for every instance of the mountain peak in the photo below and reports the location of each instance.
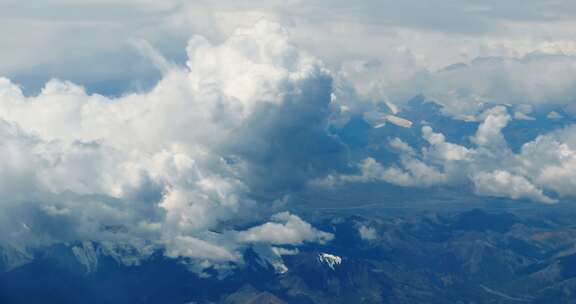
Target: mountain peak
(330, 260)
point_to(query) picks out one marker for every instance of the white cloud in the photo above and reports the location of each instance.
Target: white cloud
(285, 229)
(173, 163)
(541, 171)
(504, 184)
(387, 55)
(465, 88)
(367, 233)
(551, 161)
(187, 246)
(535, 79)
(412, 172)
(245, 110)
(489, 133)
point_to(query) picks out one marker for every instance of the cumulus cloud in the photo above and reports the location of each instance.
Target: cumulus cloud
(411, 172)
(550, 159)
(542, 170)
(285, 229)
(367, 233)
(464, 89)
(535, 79)
(489, 133)
(242, 114)
(504, 184)
(172, 164)
(407, 46)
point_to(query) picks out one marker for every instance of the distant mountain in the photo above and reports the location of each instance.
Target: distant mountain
(473, 256)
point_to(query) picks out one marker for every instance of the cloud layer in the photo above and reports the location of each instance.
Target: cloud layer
(540, 171)
(170, 165)
(198, 147)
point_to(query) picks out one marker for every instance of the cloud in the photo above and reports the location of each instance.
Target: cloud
(550, 160)
(536, 79)
(504, 184)
(408, 45)
(367, 233)
(172, 164)
(489, 133)
(542, 169)
(178, 156)
(187, 246)
(464, 88)
(285, 229)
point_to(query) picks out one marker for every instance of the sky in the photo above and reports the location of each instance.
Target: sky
(190, 125)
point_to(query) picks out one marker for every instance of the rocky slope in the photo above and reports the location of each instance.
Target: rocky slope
(468, 257)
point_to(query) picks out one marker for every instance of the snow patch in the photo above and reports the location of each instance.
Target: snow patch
(330, 260)
(279, 267)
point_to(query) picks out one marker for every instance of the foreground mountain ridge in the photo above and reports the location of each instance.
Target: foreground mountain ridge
(467, 257)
